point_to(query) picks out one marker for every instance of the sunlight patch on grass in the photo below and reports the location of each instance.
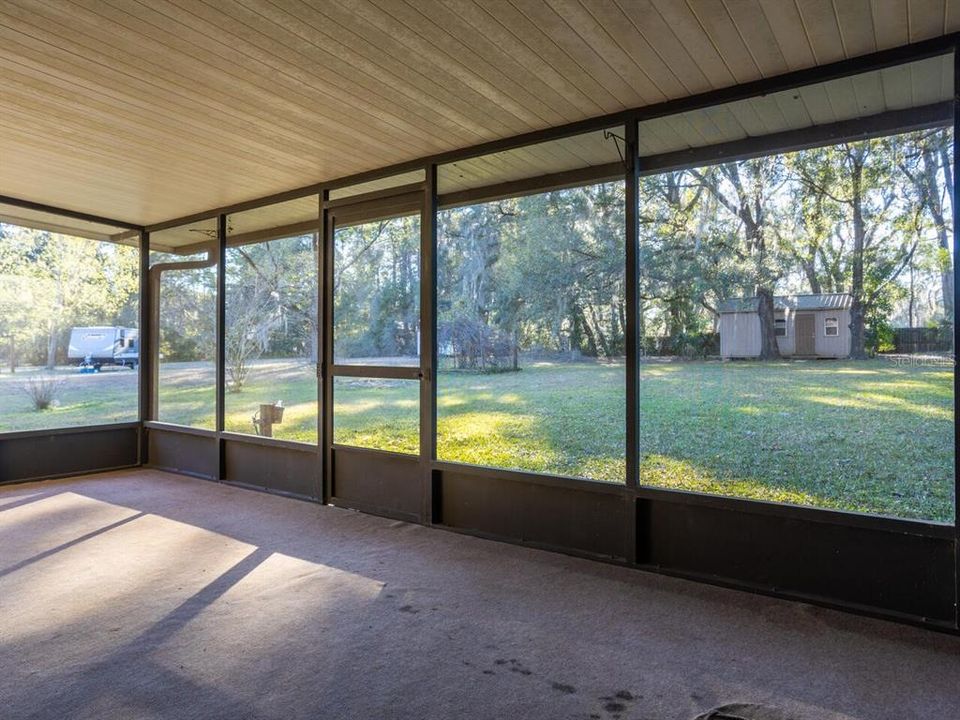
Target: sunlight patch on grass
(395, 437)
(663, 471)
(876, 401)
(365, 406)
(854, 371)
(469, 427)
(658, 370)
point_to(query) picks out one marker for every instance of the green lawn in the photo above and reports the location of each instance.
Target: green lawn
(559, 418)
(873, 436)
(869, 436)
(106, 397)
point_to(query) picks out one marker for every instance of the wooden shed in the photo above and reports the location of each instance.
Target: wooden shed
(815, 326)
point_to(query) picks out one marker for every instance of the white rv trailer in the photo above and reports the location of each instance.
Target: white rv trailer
(98, 346)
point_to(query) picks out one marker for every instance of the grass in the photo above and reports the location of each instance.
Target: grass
(873, 436)
(866, 436)
(106, 397)
(559, 418)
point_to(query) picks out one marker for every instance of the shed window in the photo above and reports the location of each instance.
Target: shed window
(831, 327)
(780, 326)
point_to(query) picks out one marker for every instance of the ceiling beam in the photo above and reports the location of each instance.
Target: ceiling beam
(531, 186)
(73, 214)
(886, 123)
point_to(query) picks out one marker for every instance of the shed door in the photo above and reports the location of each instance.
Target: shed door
(806, 329)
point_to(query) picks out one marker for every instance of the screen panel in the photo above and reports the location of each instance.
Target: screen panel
(69, 323)
(376, 292)
(183, 287)
(271, 309)
(797, 284)
(377, 414)
(531, 333)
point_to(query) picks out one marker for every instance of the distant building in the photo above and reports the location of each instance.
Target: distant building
(814, 326)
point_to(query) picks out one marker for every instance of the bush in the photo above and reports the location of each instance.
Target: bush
(176, 347)
(474, 345)
(685, 345)
(879, 336)
(43, 390)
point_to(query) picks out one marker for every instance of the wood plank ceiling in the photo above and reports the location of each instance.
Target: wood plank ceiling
(145, 111)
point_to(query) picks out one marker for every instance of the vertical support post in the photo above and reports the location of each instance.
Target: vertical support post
(326, 315)
(956, 303)
(145, 361)
(632, 242)
(324, 436)
(428, 345)
(221, 339)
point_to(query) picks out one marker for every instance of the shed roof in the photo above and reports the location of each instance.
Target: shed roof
(823, 301)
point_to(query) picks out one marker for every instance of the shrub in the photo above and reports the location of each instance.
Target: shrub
(879, 336)
(685, 345)
(474, 345)
(43, 390)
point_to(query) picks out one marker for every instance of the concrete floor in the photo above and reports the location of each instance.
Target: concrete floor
(141, 594)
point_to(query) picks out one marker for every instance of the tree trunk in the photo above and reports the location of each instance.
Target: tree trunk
(641, 321)
(857, 311)
(913, 297)
(857, 337)
(580, 322)
(769, 350)
(603, 345)
(675, 327)
(930, 170)
(616, 330)
(52, 347)
(810, 270)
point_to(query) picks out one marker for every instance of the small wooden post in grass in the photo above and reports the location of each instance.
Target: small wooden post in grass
(270, 414)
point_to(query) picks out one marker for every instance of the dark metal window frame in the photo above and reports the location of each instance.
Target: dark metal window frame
(668, 531)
